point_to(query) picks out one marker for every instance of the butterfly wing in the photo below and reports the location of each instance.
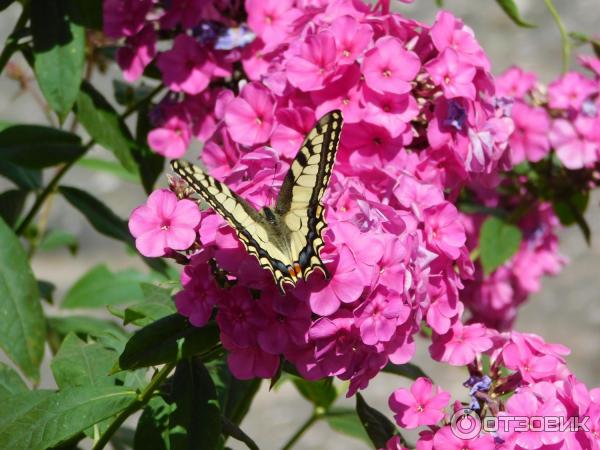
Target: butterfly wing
(299, 201)
(252, 228)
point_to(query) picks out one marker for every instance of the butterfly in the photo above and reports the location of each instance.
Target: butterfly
(287, 239)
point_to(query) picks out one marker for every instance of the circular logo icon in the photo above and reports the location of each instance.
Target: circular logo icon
(465, 424)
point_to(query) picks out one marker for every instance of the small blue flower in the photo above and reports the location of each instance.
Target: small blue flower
(589, 108)
(208, 32)
(456, 115)
(236, 37)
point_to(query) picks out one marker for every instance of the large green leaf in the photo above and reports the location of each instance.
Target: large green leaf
(36, 146)
(87, 13)
(79, 363)
(498, 242)
(157, 304)
(320, 393)
(196, 415)
(104, 125)
(38, 420)
(152, 432)
(100, 287)
(22, 324)
(407, 370)
(100, 216)
(59, 48)
(166, 340)
(24, 178)
(10, 382)
(55, 239)
(106, 166)
(379, 428)
(346, 421)
(11, 205)
(83, 326)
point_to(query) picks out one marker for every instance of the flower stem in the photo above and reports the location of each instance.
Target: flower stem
(303, 429)
(564, 35)
(141, 401)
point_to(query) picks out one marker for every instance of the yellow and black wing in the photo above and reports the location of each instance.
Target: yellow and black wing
(299, 201)
(253, 229)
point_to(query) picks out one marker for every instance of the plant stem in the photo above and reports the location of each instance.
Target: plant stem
(298, 434)
(141, 401)
(564, 35)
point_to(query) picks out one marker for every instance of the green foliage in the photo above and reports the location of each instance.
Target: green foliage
(498, 242)
(12, 203)
(22, 331)
(10, 382)
(379, 428)
(346, 421)
(56, 239)
(512, 11)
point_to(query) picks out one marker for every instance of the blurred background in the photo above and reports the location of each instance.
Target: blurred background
(567, 310)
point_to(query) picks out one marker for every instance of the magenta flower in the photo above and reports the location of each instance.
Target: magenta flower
(380, 314)
(461, 344)
(250, 116)
(293, 124)
(423, 404)
(529, 141)
(446, 439)
(573, 150)
(389, 67)
(570, 91)
(314, 63)
(137, 53)
(271, 19)
(345, 94)
(531, 367)
(351, 38)
(444, 231)
(124, 17)
(250, 362)
(454, 77)
(187, 67)
(164, 223)
(515, 82)
(392, 112)
(172, 137)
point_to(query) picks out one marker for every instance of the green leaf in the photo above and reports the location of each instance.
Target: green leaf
(22, 327)
(78, 363)
(166, 340)
(235, 396)
(570, 211)
(498, 242)
(407, 370)
(110, 167)
(29, 179)
(156, 305)
(511, 10)
(98, 214)
(196, 416)
(231, 429)
(346, 421)
(56, 239)
(152, 432)
(128, 95)
(11, 205)
(87, 13)
(320, 393)
(46, 290)
(40, 419)
(83, 326)
(59, 48)
(36, 146)
(104, 125)
(379, 428)
(100, 287)
(10, 382)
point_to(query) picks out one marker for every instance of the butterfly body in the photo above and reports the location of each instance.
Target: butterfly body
(285, 239)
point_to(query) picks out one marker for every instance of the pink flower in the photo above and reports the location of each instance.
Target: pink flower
(380, 314)
(351, 38)
(573, 150)
(423, 404)
(515, 82)
(389, 67)
(393, 112)
(454, 77)
(164, 223)
(293, 124)
(370, 145)
(444, 230)
(250, 116)
(250, 362)
(345, 94)
(137, 53)
(271, 19)
(531, 367)
(187, 67)
(171, 138)
(461, 344)
(445, 439)
(314, 63)
(570, 91)
(529, 141)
